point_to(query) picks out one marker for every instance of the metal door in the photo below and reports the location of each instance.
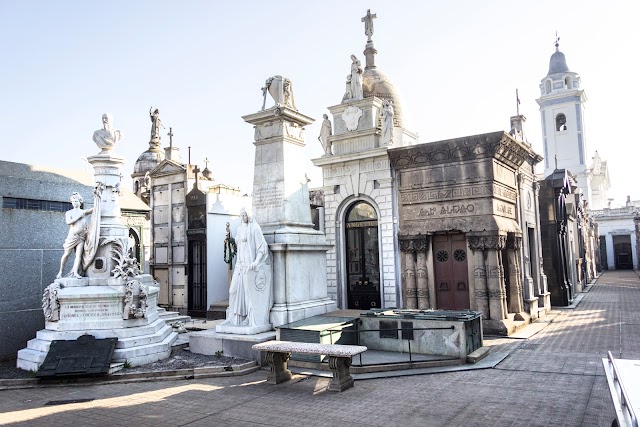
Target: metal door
(451, 274)
(197, 291)
(363, 265)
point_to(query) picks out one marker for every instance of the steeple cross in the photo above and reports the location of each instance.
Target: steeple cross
(517, 103)
(368, 24)
(206, 163)
(557, 41)
(170, 137)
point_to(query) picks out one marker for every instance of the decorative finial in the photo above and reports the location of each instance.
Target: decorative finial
(368, 24)
(206, 163)
(517, 103)
(557, 42)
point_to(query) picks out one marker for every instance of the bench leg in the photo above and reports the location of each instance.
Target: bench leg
(278, 363)
(341, 380)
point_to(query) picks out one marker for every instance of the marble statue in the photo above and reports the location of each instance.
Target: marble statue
(107, 137)
(356, 79)
(387, 123)
(281, 90)
(347, 92)
(325, 133)
(156, 124)
(75, 240)
(250, 295)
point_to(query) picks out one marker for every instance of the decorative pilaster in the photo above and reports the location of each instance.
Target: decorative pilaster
(514, 245)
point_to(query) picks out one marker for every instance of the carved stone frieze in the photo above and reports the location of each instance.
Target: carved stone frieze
(514, 242)
(481, 243)
(413, 243)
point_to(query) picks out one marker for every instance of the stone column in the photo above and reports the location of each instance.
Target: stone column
(480, 298)
(410, 292)
(515, 292)
(494, 288)
(421, 274)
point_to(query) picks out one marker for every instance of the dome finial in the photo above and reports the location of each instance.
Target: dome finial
(368, 24)
(557, 43)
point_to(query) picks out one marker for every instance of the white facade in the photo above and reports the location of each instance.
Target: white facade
(617, 226)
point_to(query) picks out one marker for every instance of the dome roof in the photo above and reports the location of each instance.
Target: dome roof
(377, 83)
(148, 160)
(557, 63)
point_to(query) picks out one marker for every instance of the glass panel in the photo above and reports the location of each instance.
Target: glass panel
(354, 256)
(362, 212)
(371, 257)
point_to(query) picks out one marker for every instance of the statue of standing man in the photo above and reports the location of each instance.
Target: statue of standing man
(156, 124)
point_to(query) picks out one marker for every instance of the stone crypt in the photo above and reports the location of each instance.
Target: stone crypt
(105, 294)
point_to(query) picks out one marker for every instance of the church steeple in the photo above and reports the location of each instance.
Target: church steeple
(562, 116)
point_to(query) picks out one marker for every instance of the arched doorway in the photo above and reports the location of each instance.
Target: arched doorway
(363, 257)
(134, 246)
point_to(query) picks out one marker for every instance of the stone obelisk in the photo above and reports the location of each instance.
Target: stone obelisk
(281, 207)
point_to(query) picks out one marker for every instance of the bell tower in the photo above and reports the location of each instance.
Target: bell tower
(562, 116)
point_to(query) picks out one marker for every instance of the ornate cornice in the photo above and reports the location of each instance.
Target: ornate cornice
(413, 243)
(498, 145)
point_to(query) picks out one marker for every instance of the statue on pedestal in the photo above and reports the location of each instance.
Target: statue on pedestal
(107, 137)
(82, 237)
(156, 124)
(356, 79)
(250, 295)
(325, 133)
(281, 90)
(387, 123)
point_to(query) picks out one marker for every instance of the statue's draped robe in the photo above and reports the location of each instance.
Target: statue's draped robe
(93, 231)
(250, 295)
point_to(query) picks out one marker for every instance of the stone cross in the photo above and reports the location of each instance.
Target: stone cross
(196, 170)
(368, 24)
(517, 103)
(170, 137)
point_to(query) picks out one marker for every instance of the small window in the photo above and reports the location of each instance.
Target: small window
(561, 122)
(567, 83)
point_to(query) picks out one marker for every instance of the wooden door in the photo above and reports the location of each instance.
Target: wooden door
(451, 274)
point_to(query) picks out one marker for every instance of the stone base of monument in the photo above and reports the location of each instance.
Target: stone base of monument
(105, 308)
(211, 342)
(299, 274)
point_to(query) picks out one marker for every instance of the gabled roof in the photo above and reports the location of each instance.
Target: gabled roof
(168, 167)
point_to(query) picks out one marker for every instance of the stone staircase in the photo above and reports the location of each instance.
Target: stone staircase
(172, 316)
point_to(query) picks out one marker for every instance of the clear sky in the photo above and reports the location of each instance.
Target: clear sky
(202, 63)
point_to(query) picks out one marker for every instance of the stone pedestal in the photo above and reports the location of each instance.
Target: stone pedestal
(281, 207)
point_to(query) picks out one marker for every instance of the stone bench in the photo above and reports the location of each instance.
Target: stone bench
(278, 353)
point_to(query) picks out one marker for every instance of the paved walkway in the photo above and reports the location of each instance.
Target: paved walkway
(555, 378)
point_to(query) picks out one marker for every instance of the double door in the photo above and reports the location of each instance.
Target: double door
(450, 271)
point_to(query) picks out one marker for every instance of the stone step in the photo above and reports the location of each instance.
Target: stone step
(172, 316)
(152, 328)
(140, 353)
(142, 340)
